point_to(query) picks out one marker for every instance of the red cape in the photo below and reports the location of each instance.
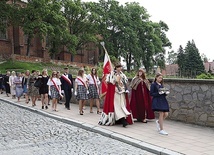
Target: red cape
(141, 103)
(109, 102)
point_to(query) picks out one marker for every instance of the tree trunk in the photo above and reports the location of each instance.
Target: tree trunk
(13, 46)
(128, 62)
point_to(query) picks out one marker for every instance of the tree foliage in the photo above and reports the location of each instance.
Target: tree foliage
(80, 23)
(7, 15)
(172, 57)
(130, 34)
(189, 60)
(126, 29)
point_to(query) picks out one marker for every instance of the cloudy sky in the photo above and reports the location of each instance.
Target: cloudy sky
(187, 20)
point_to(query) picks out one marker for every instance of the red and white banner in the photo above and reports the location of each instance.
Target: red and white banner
(107, 68)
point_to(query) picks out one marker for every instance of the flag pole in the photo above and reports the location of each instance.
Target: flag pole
(106, 54)
(103, 45)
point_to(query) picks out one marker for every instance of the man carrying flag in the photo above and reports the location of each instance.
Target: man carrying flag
(116, 103)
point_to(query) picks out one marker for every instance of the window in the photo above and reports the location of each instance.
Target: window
(3, 32)
(25, 38)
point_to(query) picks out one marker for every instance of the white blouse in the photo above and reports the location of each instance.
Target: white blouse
(79, 82)
(91, 81)
(56, 80)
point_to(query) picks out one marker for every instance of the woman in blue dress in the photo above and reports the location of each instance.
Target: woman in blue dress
(159, 102)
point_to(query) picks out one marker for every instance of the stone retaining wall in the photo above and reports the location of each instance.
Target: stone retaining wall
(191, 101)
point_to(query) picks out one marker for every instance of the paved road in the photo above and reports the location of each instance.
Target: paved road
(23, 132)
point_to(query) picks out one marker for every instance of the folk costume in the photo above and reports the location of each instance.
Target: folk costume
(141, 101)
(116, 104)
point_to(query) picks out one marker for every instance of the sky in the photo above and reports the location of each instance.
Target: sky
(187, 20)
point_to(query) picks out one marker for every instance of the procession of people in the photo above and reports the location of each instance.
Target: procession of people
(124, 102)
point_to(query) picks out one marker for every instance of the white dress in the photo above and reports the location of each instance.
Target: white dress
(12, 85)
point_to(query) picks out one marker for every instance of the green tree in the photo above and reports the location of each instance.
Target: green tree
(5, 14)
(133, 17)
(172, 57)
(9, 16)
(181, 60)
(44, 19)
(32, 20)
(189, 61)
(106, 15)
(58, 32)
(153, 42)
(80, 23)
(194, 64)
(128, 32)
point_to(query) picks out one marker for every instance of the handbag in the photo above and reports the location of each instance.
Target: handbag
(38, 83)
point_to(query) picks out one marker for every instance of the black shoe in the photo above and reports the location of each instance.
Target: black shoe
(81, 112)
(42, 107)
(124, 122)
(46, 107)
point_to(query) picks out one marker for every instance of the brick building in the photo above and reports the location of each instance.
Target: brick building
(13, 41)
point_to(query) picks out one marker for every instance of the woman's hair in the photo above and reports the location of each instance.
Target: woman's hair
(80, 72)
(38, 72)
(13, 72)
(54, 73)
(27, 73)
(43, 71)
(95, 72)
(143, 74)
(156, 76)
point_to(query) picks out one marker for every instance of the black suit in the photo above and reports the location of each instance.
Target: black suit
(66, 86)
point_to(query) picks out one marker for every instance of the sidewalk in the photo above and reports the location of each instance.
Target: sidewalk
(182, 139)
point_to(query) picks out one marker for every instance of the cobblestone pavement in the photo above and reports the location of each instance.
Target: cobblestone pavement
(23, 132)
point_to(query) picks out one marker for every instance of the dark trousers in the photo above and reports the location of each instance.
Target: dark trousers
(68, 96)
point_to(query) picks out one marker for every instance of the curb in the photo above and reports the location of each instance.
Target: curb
(107, 133)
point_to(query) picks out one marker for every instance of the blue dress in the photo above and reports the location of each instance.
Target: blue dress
(159, 102)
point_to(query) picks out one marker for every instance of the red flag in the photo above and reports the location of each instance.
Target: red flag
(107, 68)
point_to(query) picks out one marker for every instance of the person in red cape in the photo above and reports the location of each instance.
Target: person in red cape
(141, 101)
(116, 105)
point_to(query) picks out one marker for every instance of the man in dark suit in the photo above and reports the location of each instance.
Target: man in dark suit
(67, 86)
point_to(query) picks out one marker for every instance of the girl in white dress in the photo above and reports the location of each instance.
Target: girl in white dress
(12, 85)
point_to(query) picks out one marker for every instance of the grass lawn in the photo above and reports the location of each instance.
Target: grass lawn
(18, 66)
